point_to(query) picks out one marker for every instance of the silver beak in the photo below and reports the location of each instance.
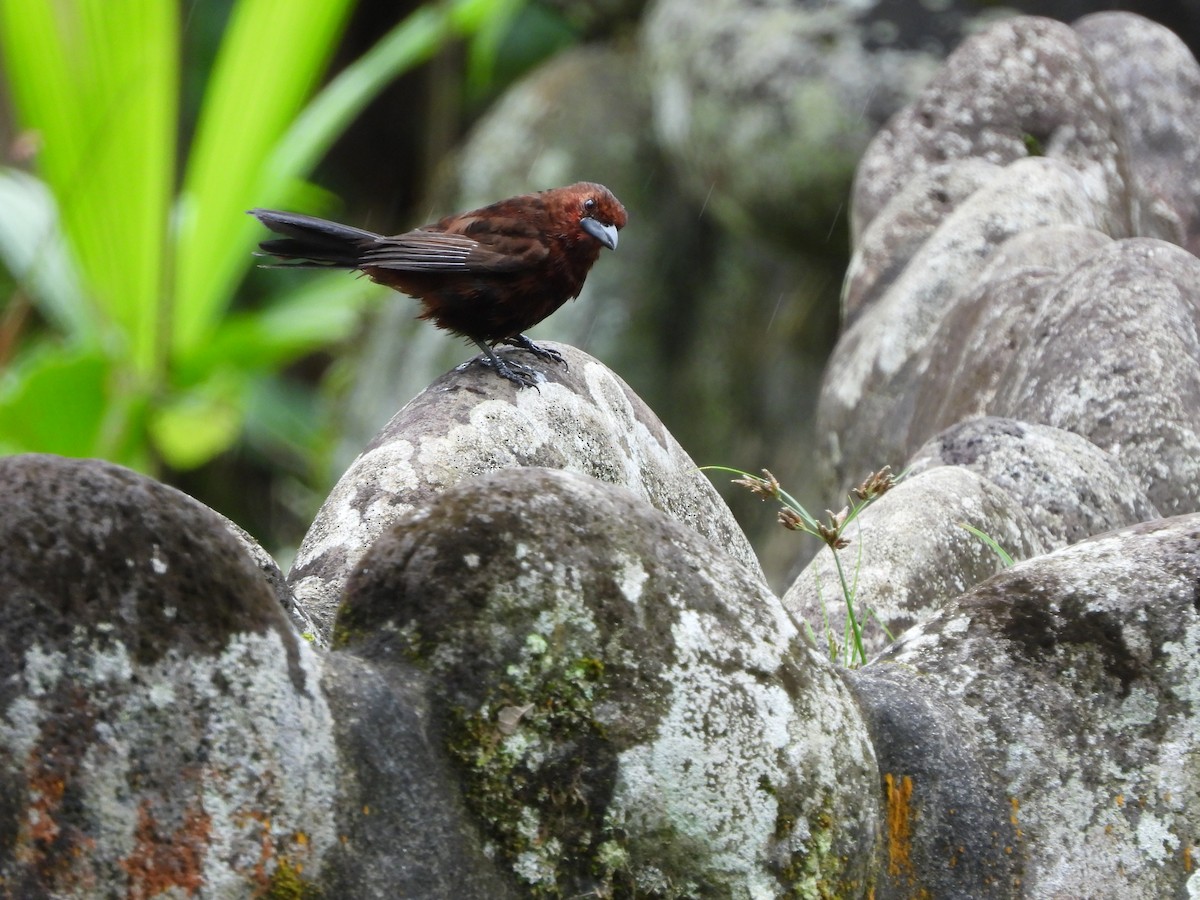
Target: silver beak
(605, 234)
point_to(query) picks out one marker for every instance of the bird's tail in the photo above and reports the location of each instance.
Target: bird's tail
(313, 242)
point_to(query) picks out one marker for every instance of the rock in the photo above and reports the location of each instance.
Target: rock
(1068, 487)
(471, 422)
(1159, 105)
(628, 708)
(764, 108)
(405, 830)
(910, 555)
(1025, 87)
(276, 579)
(1036, 733)
(868, 399)
(970, 356)
(898, 232)
(163, 725)
(1115, 357)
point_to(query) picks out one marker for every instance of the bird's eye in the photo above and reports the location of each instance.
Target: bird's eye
(589, 205)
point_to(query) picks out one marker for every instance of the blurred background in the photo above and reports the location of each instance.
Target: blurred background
(134, 135)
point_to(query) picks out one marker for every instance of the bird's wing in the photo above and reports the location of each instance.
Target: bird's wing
(476, 244)
(421, 251)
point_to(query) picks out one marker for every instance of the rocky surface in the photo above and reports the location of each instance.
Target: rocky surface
(1001, 278)
(162, 726)
(1159, 105)
(1066, 486)
(1039, 729)
(630, 710)
(544, 660)
(910, 553)
(469, 423)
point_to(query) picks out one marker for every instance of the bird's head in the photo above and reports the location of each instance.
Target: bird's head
(601, 215)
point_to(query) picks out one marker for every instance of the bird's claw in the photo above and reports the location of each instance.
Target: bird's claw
(546, 353)
(521, 376)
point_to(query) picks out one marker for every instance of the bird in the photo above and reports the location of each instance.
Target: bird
(487, 275)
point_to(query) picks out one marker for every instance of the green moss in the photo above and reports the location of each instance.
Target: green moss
(344, 632)
(288, 884)
(530, 757)
(814, 872)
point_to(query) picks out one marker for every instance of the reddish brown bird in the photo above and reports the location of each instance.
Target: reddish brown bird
(488, 275)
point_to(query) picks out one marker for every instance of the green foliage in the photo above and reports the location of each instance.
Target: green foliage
(992, 544)
(131, 258)
(793, 516)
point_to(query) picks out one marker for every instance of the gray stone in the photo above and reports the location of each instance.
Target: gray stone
(163, 727)
(1154, 82)
(969, 357)
(405, 830)
(630, 710)
(1047, 723)
(471, 422)
(1116, 358)
(910, 555)
(276, 579)
(909, 219)
(1024, 87)
(868, 398)
(765, 107)
(1068, 487)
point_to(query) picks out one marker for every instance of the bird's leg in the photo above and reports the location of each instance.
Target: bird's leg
(525, 343)
(514, 372)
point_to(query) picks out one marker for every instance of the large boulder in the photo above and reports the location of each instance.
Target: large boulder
(470, 422)
(163, 725)
(1037, 736)
(628, 710)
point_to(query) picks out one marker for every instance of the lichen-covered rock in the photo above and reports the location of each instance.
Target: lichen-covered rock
(162, 727)
(1115, 357)
(1038, 737)
(868, 397)
(1154, 82)
(471, 422)
(1024, 87)
(1068, 487)
(969, 357)
(404, 829)
(628, 709)
(765, 107)
(909, 555)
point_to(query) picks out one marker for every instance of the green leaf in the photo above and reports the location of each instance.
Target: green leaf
(98, 81)
(326, 309)
(196, 425)
(64, 400)
(1005, 559)
(270, 59)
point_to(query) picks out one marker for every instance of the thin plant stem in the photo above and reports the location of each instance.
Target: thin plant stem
(855, 628)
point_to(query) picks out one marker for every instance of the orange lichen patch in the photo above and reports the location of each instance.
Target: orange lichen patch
(1012, 816)
(159, 861)
(41, 822)
(1120, 800)
(1187, 857)
(266, 843)
(899, 820)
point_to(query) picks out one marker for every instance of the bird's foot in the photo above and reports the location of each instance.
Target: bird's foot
(524, 343)
(520, 375)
